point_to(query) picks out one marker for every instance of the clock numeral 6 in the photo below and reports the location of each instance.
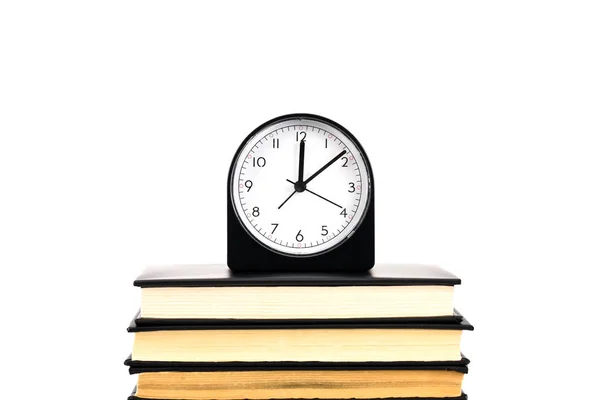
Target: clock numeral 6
(352, 188)
(299, 236)
(255, 212)
(324, 231)
(298, 134)
(248, 185)
(259, 162)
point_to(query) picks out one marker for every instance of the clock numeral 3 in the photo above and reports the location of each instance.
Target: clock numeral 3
(324, 231)
(248, 185)
(345, 164)
(298, 134)
(259, 162)
(255, 212)
(276, 225)
(299, 236)
(352, 188)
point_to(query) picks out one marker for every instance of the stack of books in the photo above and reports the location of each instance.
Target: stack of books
(205, 332)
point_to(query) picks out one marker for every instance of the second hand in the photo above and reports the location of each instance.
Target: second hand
(310, 191)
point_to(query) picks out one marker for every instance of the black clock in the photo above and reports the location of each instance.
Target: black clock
(300, 197)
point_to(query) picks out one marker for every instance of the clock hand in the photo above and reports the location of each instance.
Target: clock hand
(301, 162)
(286, 200)
(324, 167)
(300, 187)
(318, 195)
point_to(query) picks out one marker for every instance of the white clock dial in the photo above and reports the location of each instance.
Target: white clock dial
(300, 209)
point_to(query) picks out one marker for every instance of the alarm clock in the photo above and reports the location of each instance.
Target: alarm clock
(300, 197)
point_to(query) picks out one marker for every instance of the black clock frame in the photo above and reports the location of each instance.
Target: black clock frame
(355, 254)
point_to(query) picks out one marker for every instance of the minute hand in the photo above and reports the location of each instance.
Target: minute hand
(324, 167)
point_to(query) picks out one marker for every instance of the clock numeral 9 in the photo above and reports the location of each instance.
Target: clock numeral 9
(299, 236)
(345, 164)
(248, 185)
(259, 162)
(324, 231)
(352, 188)
(298, 134)
(255, 212)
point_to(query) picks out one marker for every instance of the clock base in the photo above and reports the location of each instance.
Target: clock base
(355, 255)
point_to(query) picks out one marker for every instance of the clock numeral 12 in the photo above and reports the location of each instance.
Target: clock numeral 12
(298, 134)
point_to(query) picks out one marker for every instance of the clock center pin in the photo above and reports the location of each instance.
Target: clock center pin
(300, 186)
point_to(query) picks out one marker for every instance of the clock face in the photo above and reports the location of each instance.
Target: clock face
(300, 186)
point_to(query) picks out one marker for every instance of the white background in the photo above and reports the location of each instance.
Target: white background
(118, 121)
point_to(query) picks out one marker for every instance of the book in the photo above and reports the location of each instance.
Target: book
(325, 342)
(463, 396)
(198, 294)
(390, 382)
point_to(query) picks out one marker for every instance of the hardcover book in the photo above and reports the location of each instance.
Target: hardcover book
(325, 342)
(363, 382)
(205, 294)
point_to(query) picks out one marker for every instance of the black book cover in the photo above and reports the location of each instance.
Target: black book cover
(459, 324)
(463, 396)
(138, 367)
(221, 275)
(442, 319)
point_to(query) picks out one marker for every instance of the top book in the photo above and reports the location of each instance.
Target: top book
(214, 293)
